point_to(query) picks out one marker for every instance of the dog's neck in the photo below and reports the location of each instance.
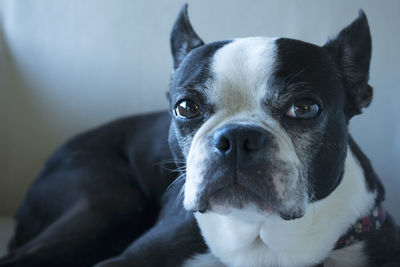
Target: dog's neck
(302, 242)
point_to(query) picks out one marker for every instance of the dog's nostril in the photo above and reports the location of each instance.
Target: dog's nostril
(248, 146)
(223, 144)
(254, 143)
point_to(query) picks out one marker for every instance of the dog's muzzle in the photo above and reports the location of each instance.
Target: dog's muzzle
(235, 170)
(240, 165)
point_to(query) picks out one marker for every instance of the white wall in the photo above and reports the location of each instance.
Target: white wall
(66, 66)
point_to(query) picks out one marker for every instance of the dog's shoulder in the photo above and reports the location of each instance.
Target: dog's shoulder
(120, 141)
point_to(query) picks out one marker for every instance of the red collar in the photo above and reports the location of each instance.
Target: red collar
(363, 228)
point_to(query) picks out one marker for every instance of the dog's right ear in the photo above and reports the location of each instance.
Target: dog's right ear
(183, 38)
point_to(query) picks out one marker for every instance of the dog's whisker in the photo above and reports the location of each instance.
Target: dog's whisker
(167, 161)
(176, 169)
(177, 180)
(180, 196)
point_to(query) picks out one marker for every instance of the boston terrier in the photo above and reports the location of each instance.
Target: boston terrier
(253, 165)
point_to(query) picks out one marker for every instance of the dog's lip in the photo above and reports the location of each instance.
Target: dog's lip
(212, 201)
(264, 207)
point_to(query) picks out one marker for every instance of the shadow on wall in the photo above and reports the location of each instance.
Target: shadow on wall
(23, 128)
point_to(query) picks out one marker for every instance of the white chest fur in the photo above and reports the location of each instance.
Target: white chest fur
(248, 239)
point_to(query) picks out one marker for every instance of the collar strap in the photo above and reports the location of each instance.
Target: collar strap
(363, 228)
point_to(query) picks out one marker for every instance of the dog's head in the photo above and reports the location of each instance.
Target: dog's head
(262, 122)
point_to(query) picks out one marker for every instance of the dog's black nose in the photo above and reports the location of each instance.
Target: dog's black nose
(240, 141)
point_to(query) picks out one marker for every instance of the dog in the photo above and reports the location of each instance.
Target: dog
(252, 165)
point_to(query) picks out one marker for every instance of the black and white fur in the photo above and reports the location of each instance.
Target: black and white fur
(104, 197)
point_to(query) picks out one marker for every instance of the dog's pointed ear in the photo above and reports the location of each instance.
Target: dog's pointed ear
(351, 50)
(183, 38)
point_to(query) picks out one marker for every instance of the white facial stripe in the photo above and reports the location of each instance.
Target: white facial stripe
(241, 70)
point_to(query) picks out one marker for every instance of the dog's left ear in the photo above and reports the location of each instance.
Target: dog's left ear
(183, 38)
(351, 50)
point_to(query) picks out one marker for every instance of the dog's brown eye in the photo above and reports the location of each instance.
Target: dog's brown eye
(304, 108)
(187, 109)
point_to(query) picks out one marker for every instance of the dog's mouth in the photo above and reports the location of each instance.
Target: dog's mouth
(233, 196)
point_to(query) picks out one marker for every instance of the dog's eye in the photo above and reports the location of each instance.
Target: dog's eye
(187, 109)
(304, 108)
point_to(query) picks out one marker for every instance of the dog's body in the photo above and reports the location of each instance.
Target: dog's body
(257, 146)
